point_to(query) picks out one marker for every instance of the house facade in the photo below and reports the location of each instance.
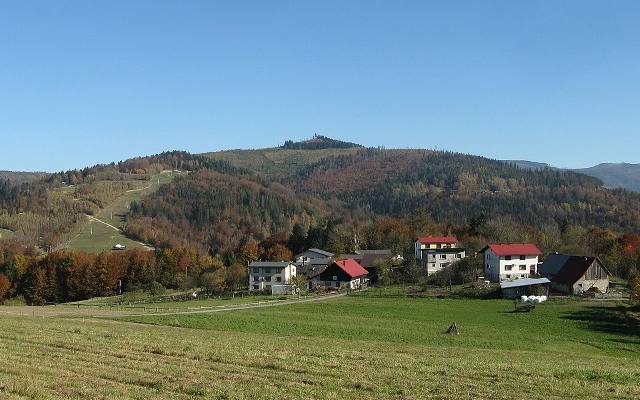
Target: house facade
(573, 274)
(342, 274)
(509, 261)
(437, 252)
(264, 274)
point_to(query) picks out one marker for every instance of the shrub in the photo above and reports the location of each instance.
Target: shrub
(156, 289)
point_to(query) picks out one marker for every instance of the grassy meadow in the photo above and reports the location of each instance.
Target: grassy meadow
(355, 347)
(104, 237)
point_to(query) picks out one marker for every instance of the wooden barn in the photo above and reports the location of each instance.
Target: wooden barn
(574, 274)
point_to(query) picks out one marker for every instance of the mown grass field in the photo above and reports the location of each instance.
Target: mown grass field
(347, 348)
(96, 237)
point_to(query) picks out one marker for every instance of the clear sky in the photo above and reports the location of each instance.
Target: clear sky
(83, 82)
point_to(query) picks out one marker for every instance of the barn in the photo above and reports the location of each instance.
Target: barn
(573, 274)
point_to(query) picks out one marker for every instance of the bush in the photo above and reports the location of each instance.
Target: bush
(156, 289)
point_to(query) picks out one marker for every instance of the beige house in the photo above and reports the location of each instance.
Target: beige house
(438, 252)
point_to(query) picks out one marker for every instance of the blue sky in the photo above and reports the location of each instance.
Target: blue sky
(83, 82)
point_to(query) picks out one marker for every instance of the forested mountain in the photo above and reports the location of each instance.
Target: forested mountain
(21, 177)
(242, 205)
(616, 175)
(612, 175)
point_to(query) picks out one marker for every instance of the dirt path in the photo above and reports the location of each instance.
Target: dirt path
(234, 308)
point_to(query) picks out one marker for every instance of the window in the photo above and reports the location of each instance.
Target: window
(256, 287)
(523, 268)
(443, 256)
(522, 257)
(335, 278)
(508, 267)
(278, 279)
(256, 278)
(458, 255)
(508, 276)
(267, 279)
(507, 257)
(256, 270)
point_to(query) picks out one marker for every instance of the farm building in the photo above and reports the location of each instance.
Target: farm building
(263, 274)
(438, 252)
(573, 274)
(370, 260)
(342, 273)
(524, 287)
(508, 261)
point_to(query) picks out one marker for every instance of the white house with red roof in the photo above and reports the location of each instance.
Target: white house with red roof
(437, 252)
(509, 261)
(342, 273)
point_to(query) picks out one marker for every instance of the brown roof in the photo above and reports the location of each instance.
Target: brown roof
(573, 269)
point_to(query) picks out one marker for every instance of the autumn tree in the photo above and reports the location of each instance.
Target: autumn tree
(5, 285)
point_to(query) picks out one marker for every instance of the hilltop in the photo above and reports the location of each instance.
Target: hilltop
(220, 200)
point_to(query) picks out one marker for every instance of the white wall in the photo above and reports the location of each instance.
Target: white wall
(499, 269)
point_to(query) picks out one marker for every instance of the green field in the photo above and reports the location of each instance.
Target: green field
(104, 237)
(356, 347)
(96, 237)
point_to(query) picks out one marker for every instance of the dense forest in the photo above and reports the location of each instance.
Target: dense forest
(318, 142)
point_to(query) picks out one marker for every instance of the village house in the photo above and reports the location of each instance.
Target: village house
(437, 252)
(508, 261)
(342, 274)
(572, 274)
(312, 254)
(264, 274)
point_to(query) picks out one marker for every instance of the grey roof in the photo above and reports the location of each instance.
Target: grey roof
(316, 261)
(322, 252)
(385, 252)
(311, 270)
(281, 264)
(523, 282)
(553, 264)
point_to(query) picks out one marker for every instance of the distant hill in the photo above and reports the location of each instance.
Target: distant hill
(612, 175)
(616, 175)
(21, 177)
(318, 142)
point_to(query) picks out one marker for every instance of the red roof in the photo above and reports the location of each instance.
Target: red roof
(514, 249)
(351, 267)
(438, 239)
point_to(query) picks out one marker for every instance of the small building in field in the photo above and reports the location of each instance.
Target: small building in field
(524, 287)
(342, 274)
(509, 261)
(264, 274)
(283, 289)
(437, 252)
(572, 274)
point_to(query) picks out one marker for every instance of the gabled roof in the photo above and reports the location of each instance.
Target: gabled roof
(438, 239)
(573, 268)
(513, 249)
(382, 252)
(317, 251)
(351, 267)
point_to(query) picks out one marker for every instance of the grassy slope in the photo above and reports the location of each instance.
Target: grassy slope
(351, 348)
(104, 237)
